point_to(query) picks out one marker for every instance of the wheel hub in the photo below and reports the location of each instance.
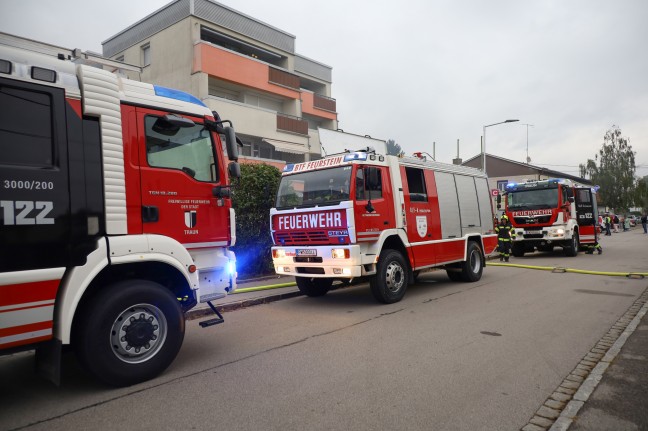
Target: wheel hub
(395, 277)
(138, 333)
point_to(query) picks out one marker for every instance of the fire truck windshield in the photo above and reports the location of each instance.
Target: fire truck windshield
(533, 199)
(322, 187)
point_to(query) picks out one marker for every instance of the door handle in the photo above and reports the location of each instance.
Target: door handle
(150, 214)
(386, 222)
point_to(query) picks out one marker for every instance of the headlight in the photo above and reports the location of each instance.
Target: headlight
(278, 253)
(340, 253)
(560, 231)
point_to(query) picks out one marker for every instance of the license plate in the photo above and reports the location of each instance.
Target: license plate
(307, 252)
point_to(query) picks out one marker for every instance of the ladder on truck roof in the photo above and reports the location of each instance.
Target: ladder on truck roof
(74, 55)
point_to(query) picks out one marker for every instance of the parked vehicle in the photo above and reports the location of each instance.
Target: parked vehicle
(367, 214)
(115, 212)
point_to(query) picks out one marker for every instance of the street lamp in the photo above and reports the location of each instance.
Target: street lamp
(528, 159)
(484, 152)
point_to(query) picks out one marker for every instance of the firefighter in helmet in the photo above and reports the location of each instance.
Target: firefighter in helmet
(505, 234)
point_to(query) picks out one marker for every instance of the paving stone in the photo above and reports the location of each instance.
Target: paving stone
(565, 390)
(531, 427)
(547, 412)
(556, 405)
(580, 372)
(559, 396)
(542, 422)
(574, 378)
(569, 384)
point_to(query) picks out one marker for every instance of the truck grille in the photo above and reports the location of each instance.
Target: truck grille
(308, 237)
(532, 220)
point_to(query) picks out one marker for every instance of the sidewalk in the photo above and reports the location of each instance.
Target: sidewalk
(237, 300)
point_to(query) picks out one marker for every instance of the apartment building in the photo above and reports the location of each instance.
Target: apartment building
(246, 70)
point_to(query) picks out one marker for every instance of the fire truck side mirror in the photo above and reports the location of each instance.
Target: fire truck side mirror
(373, 178)
(571, 199)
(230, 143)
(499, 202)
(234, 170)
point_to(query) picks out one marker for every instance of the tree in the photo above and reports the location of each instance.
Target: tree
(613, 169)
(641, 194)
(252, 197)
(393, 148)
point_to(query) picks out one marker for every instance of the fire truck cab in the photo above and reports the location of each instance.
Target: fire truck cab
(363, 214)
(115, 216)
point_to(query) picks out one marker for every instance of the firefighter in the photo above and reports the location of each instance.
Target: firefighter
(505, 234)
(592, 248)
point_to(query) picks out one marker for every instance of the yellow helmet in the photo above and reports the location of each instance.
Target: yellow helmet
(504, 217)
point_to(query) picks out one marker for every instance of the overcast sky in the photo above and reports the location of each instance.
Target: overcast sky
(429, 71)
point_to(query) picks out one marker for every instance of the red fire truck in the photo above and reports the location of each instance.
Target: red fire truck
(549, 213)
(363, 214)
(115, 215)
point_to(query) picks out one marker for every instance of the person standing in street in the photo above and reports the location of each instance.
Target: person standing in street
(608, 222)
(505, 234)
(615, 220)
(644, 223)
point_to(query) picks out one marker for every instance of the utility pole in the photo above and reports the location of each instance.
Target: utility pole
(528, 159)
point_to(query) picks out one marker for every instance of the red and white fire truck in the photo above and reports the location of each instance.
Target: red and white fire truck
(365, 214)
(549, 213)
(115, 215)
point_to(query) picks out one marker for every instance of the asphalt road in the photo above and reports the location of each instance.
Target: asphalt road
(450, 356)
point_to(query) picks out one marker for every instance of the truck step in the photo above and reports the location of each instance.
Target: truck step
(211, 322)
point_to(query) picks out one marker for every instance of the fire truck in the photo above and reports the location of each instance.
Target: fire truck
(549, 213)
(366, 215)
(115, 216)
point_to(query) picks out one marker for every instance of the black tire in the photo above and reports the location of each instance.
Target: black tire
(473, 266)
(454, 275)
(574, 245)
(102, 343)
(390, 282)
(314, 287)
(517, 249)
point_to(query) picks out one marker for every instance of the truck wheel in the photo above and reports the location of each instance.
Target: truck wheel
(129, 332)
(518, 249)
(390, 282)
(571, 250)
(314, 286)
(473, 266)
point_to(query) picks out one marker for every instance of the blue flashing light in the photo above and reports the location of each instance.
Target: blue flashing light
(177, 94)
(511, 185)
(289, 167)
(231, 267)
(355, 156)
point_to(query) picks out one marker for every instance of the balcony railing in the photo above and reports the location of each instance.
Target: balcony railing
(325, 103)
(288, 123)
(280, 77)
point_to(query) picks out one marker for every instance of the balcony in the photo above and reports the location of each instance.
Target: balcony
(318, 105)
(288, 123)
(285, 79)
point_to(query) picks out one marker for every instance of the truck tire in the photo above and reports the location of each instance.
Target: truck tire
(473, 266)
(571, 250)
(314, 287)
(129, 332)
(390, 282)
(517, 249)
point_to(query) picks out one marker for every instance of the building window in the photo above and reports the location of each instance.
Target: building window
(146, 54)
(501, 185)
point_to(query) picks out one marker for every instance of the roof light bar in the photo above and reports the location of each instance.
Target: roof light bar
(177, 94)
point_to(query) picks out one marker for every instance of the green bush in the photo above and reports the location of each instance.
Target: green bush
(252, 197)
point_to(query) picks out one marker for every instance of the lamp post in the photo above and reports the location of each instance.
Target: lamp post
(528, 159)
(484, 149)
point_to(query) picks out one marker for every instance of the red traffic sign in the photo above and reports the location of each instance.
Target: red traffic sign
(494, 192)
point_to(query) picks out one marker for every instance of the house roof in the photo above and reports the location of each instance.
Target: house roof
(497, 166)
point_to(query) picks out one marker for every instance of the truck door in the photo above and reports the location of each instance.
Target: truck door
(34, 186)
(179, 168)
(374, 203)
(422, 214)
(586, 214)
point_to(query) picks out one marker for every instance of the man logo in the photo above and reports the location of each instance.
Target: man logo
(190, 219)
